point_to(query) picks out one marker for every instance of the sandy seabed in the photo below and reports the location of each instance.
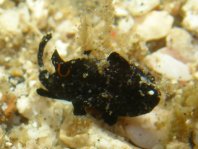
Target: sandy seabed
(159, 36)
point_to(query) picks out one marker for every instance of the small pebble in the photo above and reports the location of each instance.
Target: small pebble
(141, 7)
(8, 144)
(168, 66)
(151, 27)
(125, 24)
(11, 26)
(120, 12)
(4, 106)
(143, 131)
(190, 20)
(62, 47)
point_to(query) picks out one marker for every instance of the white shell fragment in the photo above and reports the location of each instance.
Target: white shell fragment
(190, 20)
(140, 7)
(145, 132)
(168, 66)
(155, 25)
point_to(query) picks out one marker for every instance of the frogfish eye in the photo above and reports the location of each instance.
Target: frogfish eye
(62, 70)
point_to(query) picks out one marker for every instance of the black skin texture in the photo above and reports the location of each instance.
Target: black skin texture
(121, 89)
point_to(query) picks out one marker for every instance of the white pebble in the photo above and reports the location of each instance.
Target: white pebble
(39, 11)
(155, 25)
(2, 72)
(179, 39)
(8, 144)
(125, 24)
(32, 83)
(179, 43)
(59, 15)
(66, 27)
(120, 12)
(23, 104)
(190, 20)
(9, 22)
(168, 66)
(35, 124)
(188, 122)
(61, 47)
(7, 58)
(4, 106)
(143, 131)
(141, 7)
